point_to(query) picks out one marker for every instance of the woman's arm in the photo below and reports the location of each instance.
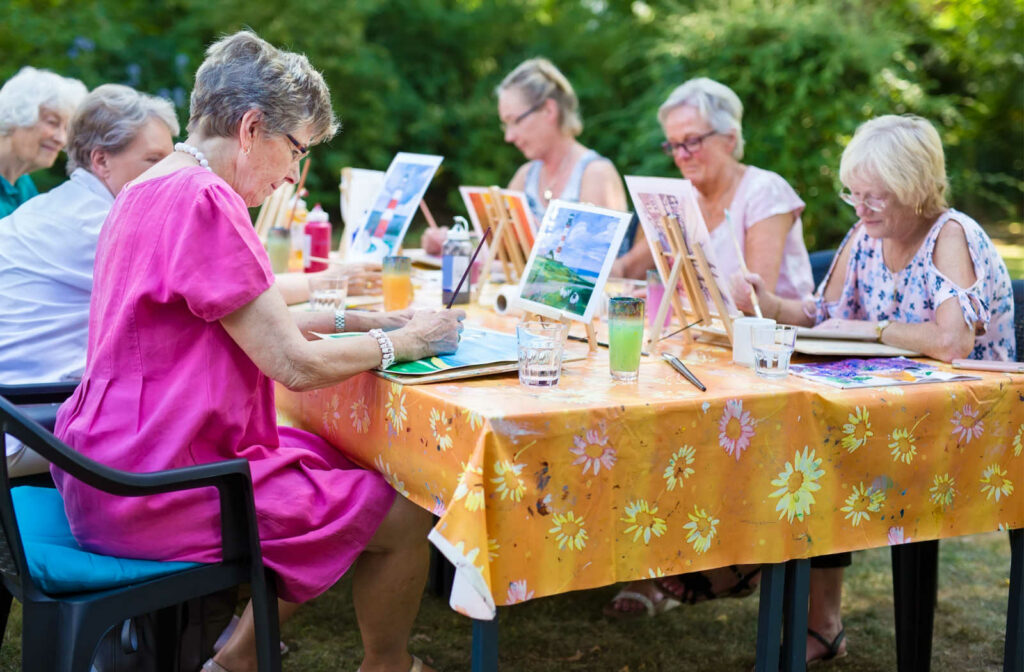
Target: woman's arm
(518, 182)
(266, 332)
(765, 244)
(636, 262)
(602, 186)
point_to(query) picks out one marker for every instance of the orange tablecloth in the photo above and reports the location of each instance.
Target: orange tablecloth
(545, 491)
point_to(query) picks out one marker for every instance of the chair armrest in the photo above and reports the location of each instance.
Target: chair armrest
(38, 393)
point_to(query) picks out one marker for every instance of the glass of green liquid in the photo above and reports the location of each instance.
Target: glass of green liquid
(625, 336)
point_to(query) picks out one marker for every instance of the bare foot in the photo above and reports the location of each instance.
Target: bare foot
(625, 605)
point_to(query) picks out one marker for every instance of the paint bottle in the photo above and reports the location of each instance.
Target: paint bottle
(455, 254)
(317, 240)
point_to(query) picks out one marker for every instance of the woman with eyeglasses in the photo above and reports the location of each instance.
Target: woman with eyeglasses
(702, 120)
(539, 114)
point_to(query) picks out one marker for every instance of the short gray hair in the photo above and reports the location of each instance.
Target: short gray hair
(23, 95)
(538, 79)
(110, 118)
(715, 102)
(243, 72)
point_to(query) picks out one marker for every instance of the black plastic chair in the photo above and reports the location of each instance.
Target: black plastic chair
(1018, 316)
(60, 632)
(39, 401)
(820, 261)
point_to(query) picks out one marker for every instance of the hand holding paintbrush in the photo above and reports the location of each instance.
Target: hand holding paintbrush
(743, 262)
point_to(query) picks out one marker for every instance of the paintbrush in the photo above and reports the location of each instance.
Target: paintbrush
(465, 273)
(298, 191)
(743, 263)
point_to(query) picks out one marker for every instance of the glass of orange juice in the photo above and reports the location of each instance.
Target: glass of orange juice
(396, 280)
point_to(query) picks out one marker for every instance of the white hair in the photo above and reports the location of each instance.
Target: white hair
(110, 118)
(715, 102)
(23, 95)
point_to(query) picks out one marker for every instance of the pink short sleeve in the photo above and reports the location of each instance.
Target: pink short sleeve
(766, 194)
(216, 262)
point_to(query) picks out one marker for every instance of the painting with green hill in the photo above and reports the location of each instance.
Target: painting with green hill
(477, 348)
(571, 260)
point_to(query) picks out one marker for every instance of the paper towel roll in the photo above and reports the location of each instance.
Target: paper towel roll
(507, 299)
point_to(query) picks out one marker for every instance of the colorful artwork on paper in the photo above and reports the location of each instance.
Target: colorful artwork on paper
(478, 347)
(876, 372)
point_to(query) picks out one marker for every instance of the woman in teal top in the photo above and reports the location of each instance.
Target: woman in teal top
(35, 106)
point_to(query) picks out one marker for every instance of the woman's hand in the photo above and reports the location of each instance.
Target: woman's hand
(428, 333)
(433, 240)
(740, 290)
(363, 278)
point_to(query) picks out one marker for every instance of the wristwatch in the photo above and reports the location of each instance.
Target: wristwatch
(339, 320)
(879, 328)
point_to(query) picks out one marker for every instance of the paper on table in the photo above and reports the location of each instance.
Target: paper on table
(853, 373)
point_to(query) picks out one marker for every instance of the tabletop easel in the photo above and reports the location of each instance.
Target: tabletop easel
(691, 269)
(506, 247)
(275, 211)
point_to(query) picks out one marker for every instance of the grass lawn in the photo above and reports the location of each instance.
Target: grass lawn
(568, 633)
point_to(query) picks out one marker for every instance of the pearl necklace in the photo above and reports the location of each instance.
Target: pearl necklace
(194, 151)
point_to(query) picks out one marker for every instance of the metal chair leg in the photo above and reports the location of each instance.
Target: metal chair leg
(485, 645)
(769, 617)
(915, 569)
(794, 615)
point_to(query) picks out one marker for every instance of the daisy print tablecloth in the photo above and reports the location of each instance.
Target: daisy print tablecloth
(544, 491)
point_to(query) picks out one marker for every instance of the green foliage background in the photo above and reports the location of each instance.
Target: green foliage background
(418, 75)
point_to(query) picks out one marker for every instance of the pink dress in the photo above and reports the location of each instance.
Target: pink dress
(165, 386)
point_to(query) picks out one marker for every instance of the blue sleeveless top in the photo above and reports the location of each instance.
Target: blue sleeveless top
(572, 187)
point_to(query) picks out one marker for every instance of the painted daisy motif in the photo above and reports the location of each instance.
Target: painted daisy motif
(862, 502)
(701, 529)
(796, 485)
(678, 469)
(896, 536)
(966, 425)
(518, 592)
(735, 428)
(470, 555)
(994, 483)
(642, 522)
(569, 530)
(385, 470)
(475, 420)
(395, 407)
(857, 431)
(942, 490)
(441, 427)
(332, 414)
(492, 549)
(592, 451)
(902, 443)
(510, 485)
(655, 572)
(437, 506)
(359, 412)
(471, 488)
(1018, 441)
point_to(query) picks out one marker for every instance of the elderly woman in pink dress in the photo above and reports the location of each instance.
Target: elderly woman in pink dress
(703, 124)
(187, 334)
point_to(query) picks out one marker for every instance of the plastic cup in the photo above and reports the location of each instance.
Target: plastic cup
(742, 350)
(773, 347)
(327, 293)
(655, 295)
(625, 337)
(540, 346)
(396, 282)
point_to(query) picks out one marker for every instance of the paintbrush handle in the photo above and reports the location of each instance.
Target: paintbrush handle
(469, 267)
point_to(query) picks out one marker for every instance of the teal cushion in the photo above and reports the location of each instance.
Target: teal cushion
(56, 561)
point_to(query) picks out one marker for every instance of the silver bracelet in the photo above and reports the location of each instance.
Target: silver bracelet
(387, 348)
(339, 320)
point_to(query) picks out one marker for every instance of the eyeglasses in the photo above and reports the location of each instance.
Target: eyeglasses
(524, 115)
(870, 202)
(299, 147)
(690, 145)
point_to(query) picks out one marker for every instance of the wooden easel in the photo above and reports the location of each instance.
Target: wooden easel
(689, 267)
(274, 211)
(505, 243)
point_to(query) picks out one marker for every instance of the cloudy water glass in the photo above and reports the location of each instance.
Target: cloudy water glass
(540, 346)
(625, 336)
(773, 346)
(327, 293)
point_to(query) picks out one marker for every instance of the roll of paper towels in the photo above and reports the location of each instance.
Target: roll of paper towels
(507, 299)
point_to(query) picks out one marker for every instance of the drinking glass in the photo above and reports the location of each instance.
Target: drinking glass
(773, 346)
(625, 336)
(540, 346)
(396, 281)
(327, 293)
(655, 295)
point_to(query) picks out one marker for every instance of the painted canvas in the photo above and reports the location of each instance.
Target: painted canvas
(395, 205)
(655, 197)
(480, 206)
(853, 373)
(478, 347)
(571, 260)
(358, 187)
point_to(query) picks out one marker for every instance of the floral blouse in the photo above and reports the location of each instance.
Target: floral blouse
(873, 292)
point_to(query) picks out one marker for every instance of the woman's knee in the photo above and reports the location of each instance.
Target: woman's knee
(405, 525)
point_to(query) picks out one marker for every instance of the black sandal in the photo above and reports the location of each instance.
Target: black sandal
(832, 647)
(696, 587)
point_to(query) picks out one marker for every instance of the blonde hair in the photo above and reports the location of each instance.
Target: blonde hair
(905, 154)
(243, 72)
(715, 102)
(538, 80)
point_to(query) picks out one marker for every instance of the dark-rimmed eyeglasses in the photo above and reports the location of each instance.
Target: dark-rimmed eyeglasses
(872, 203)
(299, 147)
(524, 115)
(690, 145)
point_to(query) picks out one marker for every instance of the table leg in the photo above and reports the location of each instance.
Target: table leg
(794, 615)
(769, 617)
(485, 645)
(914, 581)
(1013, 654)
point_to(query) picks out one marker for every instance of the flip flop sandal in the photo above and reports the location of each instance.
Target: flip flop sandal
(832, 647)
(651, 608)
(224, 636)
(417, 666)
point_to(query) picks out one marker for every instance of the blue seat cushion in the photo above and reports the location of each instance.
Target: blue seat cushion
(56, 561)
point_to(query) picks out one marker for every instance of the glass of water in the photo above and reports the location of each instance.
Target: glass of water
(327, 293)
(773, 346)
(540, 346)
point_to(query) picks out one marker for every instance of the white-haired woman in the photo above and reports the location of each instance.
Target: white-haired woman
(35, 106)
(540, 115)
(188, 335)
(703, 124)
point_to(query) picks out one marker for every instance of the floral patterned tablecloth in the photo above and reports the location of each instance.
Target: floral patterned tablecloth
(543, 491)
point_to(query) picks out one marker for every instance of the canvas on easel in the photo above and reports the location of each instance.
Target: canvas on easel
(275, 211)
(358, 189)
(570, 262)
(680, 244)
(512, 228)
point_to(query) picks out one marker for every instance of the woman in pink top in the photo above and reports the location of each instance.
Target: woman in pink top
(702, 120)
(187, 335)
